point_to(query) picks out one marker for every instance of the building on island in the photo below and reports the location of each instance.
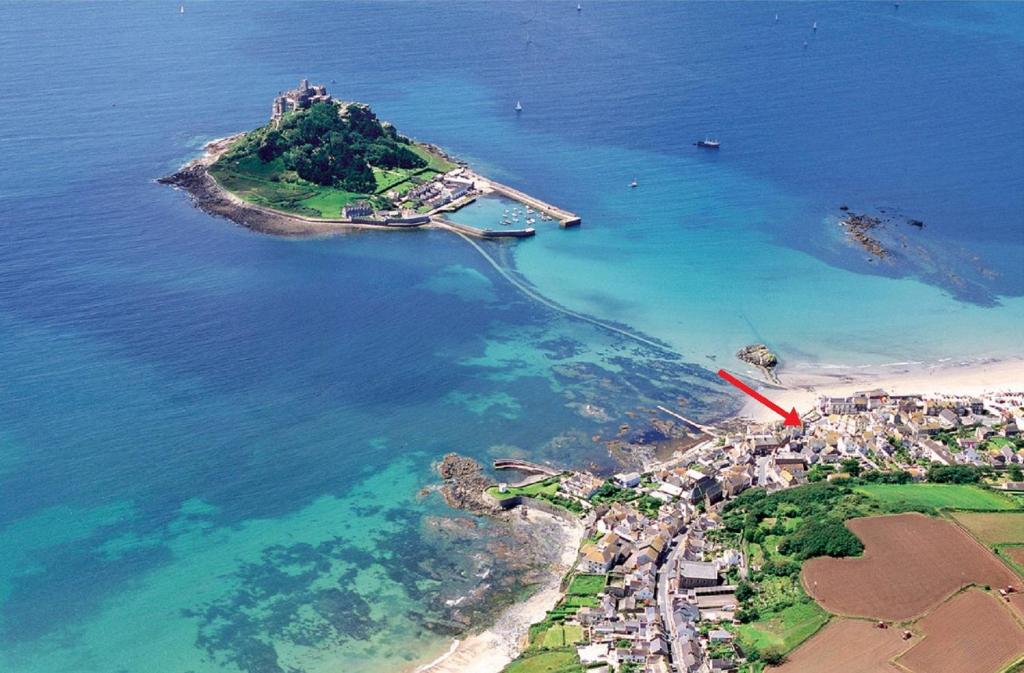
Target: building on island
(299, 98)
(357, 209)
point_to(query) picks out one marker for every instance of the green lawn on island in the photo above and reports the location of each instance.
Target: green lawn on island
(549, 661)
(783, 630)
(548, 486)
(401, 178)
(937, 496)
(434, 162)
(270, 184)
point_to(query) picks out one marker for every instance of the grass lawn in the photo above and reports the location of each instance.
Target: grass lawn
(553, 661)
(581, 601)
(755, 554)
(329, 201)
(587, 585)
(784, 630)
(386, 179)
(548, 486)
(560, 635)
(434, 162)
(250, 180)
(937, 496)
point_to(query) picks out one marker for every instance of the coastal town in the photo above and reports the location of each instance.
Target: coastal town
(675, 574)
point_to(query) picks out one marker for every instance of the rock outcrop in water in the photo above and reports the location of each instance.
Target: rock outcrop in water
(761, 357)
(464, 484)
(858, 226)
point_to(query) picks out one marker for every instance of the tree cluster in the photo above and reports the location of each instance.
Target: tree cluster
(821, 537)
(329, 145)
(956, 474)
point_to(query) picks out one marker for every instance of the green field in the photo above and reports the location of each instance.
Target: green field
(434, 162)
(270, 184)
(388, 179)
(783, 630)
(552, 661)
(994, 527)
(937, 496)
(560, 635)
(547, 487)
(587, 585)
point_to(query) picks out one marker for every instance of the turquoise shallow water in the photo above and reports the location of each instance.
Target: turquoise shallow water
(213, 443)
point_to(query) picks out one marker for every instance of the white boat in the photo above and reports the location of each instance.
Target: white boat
(776, 18)
(181, 8)
(814, 26)
(530, 220)
(519, 106)
(709, 143)
(579, 7)
(633, 184)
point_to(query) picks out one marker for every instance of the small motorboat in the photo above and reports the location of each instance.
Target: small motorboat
(519, 106)
(579, 7)
(708, 143)
(633, 184)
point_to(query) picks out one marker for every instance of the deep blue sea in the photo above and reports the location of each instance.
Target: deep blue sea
(213, 442)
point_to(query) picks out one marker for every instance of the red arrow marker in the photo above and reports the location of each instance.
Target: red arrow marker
(792, 418)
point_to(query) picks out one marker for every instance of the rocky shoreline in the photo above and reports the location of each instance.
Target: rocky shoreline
(194, 178)
(531, 553)
(464, 483)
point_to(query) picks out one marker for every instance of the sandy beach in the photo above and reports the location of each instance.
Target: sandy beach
(491, 650)
(803, 384)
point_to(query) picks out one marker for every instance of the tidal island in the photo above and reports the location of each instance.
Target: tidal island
(323, 165)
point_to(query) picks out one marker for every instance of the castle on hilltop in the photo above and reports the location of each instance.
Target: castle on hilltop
(299, 98)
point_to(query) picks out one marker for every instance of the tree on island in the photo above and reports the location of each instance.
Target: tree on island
(332, 146)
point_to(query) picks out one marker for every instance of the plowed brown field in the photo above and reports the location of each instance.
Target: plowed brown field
(911, 563)
(973, 633)
(850, 646)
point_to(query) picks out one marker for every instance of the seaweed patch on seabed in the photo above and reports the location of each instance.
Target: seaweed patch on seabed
(899, 246)
(620, 393)
(307, 595)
